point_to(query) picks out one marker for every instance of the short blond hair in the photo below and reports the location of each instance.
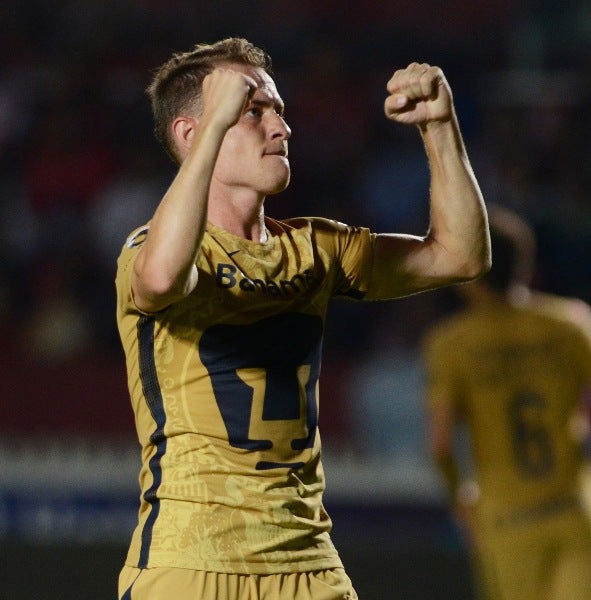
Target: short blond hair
(176, 86)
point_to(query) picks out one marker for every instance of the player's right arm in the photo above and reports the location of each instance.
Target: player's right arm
(446, 412)
(441, 423)
(165, 270)
(462, 493)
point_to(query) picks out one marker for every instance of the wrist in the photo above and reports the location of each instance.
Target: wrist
(439, 127)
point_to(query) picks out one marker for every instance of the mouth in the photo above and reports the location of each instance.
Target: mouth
(281, 152)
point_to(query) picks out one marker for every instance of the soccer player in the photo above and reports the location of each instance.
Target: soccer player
(221, 311)
(514, 368)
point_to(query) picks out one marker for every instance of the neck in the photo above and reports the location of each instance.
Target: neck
(245, 219)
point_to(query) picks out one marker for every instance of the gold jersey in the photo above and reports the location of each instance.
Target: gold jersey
(224, 388)
(516, 376)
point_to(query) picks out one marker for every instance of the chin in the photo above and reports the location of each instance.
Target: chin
(277, 186)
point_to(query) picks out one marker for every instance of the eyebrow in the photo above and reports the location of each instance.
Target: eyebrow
(278, 105)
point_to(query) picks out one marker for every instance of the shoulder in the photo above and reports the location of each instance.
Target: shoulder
(137, 237)
(445, 335)
(321, 225)
(563, 308)
(565, 320)
(348, 242)
(135, 240)
(334, 236)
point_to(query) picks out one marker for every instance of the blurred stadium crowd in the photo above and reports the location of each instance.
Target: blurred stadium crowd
(80, 169)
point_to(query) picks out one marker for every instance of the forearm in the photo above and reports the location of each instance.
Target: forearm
(448, 469)
(458, 221)
(165, 268)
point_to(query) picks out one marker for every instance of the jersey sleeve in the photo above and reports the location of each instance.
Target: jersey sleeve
(350, 250)
(133, 244)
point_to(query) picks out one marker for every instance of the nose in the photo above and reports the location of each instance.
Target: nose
(280, 128)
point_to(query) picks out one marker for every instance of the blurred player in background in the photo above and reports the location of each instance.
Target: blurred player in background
(514, 368)
(221, 311)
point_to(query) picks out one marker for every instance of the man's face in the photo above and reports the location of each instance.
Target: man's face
(253, 155)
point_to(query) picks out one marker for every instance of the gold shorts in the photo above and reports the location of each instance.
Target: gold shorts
(163, 583)
(549, 559)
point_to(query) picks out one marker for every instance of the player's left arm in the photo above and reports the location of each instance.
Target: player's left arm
(457, 245)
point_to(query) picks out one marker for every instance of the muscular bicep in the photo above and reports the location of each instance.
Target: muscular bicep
(406, 264)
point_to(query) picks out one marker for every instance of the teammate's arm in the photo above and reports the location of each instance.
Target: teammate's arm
(441, 433)
(462, 493)
(457, 245)
(165, 270)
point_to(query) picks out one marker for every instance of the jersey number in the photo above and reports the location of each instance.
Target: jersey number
(532, 445)
(282, 347)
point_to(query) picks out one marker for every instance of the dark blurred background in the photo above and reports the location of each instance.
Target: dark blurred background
(80, 169)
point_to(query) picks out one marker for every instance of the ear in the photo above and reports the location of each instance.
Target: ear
(183, 130)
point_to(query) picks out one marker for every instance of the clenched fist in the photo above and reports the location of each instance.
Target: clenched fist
(225, 94)
(418, 95)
